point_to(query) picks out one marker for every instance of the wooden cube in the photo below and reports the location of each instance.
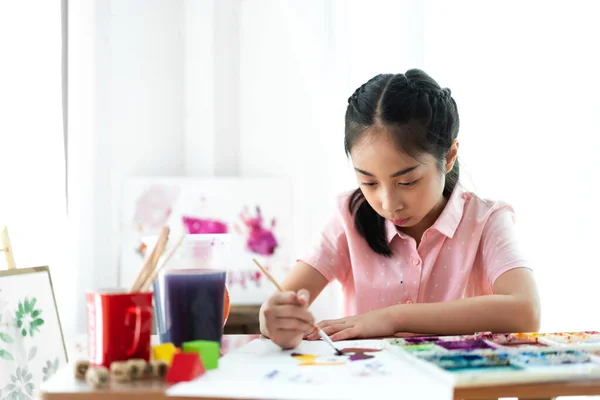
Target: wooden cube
(97, 377)
(81, 368)
(137, 367)
(120, 371)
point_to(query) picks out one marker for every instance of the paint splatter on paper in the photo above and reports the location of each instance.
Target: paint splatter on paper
(348, 350)
(360, 356)
(259, 239)
(154, 206)
(321, 363)
(304, 357)
(373, 368)
(359, 353)
(314, 360)
(272, 374)
(195, 226)
(245, 278)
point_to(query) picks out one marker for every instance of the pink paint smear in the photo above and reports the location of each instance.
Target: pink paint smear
(196, 226)
(261, 239)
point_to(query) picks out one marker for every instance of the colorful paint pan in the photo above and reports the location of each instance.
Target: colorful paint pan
(420, 340)
(464, 361)
(588, 337)
(465, 345)
(550, 358)
(420, 347)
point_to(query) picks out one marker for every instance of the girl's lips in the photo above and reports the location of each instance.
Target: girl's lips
(400, 221)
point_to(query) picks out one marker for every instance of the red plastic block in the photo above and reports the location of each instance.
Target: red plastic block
(185, 367)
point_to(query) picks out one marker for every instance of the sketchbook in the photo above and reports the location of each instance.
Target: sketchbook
(261, 370)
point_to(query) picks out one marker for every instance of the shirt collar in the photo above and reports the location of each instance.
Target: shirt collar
(448, 220)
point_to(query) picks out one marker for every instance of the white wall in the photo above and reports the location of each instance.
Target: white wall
(527, 86)
(300, 61)
(286, 82)
(126, 118)
(227, 87)
(154, 90)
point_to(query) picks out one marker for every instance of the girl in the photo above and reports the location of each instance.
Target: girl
(413, 250)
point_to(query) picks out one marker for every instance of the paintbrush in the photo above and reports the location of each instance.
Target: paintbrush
(151, 260)
(155, 272)
(322, 334)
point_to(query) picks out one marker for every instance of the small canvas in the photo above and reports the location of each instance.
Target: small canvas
(255, 214)
(32, 347)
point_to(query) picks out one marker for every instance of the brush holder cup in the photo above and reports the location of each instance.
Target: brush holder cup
(191, 299)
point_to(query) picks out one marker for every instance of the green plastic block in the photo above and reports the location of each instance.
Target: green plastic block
(209, 352)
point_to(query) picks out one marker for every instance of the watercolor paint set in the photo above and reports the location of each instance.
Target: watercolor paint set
(487, 359)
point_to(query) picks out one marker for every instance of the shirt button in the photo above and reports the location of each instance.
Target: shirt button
(408, 301)
(428, 234)
(416, 261)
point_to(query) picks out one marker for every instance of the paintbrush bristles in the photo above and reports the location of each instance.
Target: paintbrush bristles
(142, 271)
(155, 272)
(150, 262)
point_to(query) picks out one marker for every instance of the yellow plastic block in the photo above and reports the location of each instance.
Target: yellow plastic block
(164, 352)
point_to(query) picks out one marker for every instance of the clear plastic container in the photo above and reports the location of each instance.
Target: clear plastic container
(201, 251)
(198, 253)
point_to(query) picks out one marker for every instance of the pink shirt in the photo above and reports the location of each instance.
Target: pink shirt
(470, 245)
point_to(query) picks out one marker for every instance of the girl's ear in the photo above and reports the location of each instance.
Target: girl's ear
(451, 156)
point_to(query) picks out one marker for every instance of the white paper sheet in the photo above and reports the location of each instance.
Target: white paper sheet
(261, 370)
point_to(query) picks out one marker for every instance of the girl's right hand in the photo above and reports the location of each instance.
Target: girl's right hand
(285, 318)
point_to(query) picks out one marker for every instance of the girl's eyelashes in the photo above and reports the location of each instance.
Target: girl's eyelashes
(407, 184)
(401, 184)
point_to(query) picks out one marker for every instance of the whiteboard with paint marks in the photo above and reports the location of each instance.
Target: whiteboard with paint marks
(256, 213)
(312, 371)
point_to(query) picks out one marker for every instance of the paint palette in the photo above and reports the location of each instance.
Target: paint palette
(443, 344)
(507, 341)
(479, 343)
(487, 359)
(588, 339)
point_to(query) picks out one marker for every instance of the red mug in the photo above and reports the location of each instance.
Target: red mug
(119, 326)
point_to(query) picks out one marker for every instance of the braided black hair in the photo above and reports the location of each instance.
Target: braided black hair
(401, 103)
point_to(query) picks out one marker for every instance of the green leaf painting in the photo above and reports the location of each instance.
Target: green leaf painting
(50, 368)
(28, 317)
(32, 353)
(5, 355)
(20, 387)
(29, 350)
(5, 337)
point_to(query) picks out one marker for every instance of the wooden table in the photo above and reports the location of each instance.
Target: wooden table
(64, 386)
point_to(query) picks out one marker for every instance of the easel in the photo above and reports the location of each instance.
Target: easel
(7, 249)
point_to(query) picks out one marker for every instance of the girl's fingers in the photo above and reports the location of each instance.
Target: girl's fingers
(291, 324)
(284, 298)
(329, 322)
(290, 311)
(303, 297)
(332, 329)
(344, 334)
